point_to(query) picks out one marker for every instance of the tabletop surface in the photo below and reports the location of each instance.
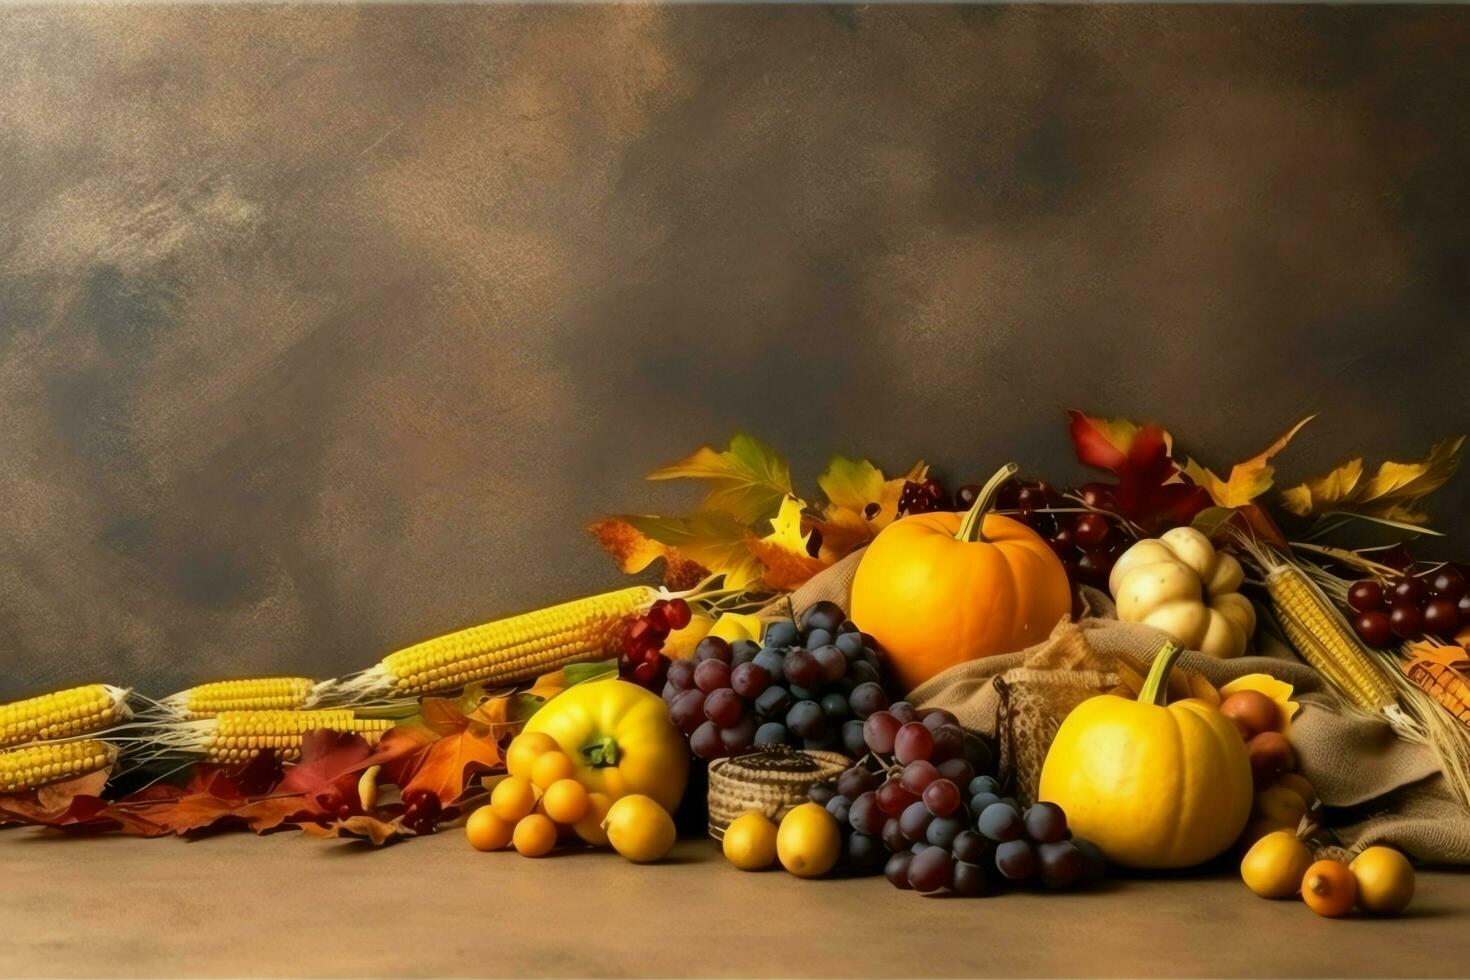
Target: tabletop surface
(286, 905)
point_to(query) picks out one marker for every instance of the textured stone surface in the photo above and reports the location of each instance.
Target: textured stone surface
(285, 906)
(325, 329)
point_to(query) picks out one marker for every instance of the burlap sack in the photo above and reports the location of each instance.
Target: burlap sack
(1376, 787)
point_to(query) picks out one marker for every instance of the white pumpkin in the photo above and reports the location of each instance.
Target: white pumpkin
(1180, 584)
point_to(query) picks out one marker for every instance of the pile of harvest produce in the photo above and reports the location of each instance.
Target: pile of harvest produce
(1010, 685)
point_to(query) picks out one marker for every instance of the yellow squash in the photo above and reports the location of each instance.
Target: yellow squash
(1154, 786)
(621, 738)
(1180, 584)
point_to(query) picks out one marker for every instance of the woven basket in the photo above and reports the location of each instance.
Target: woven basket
(772, 781)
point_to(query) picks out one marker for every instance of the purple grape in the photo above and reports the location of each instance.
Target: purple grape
(969, 880)
(706, 742)
(943, 830)
(773, 701)
(893, 837)
(822, 615)
(865, 816)
(863, 672)
(936, 718)
(856, 781)
(894, 799)
(681, 674)
(970, 846)
(822, 793)
(1061, 863)
(711, 675)
(802, 668)
(913, 742)
(942, 797)
(712, 648)
(932, 870)
(918, 775)
(833, 663)
(853, 742)
(980, 801)
(949, 743)
(1015, 859)
(743, 652)
(897, 869)
(687, 710)
(1045, 823)
(772, 663)
(903, 711)
(983, 784)
(915, 821)
(851, 645)
(739, 736)
(771, 733)
(749, 679)
(780, 634)
(999, 822)
(978, 753)
(817, 638)
(805, 719)
(879, 730)
(723, 706)
(957, 771)
(834, 706)
(1094, 864)
(840, 807)
(867, 698)
(865, 854)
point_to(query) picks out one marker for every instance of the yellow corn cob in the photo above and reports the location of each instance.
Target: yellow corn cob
(1325, 640)
(75, 711)
(1442, 672)
(48, 762)
(502, 652)
(237, 736)
(255, 693)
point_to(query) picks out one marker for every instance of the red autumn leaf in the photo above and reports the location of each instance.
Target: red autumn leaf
(188, 813)
(330, 765)
(1152, 490)
(448, 764)
(272, 812)
(401, 751)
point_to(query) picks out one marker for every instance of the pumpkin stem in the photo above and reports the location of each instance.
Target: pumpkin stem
(601, 753)
(971, 527)
(1155, 689)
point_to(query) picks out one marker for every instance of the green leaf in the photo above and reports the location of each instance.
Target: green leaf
(851, 483)
(716, 540)
(747, 481)
(595, 671)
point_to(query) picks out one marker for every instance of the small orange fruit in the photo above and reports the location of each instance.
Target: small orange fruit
(524, 750)
(1329, 888)
(589, 828)
(535, 836)
(513, 798)
(486, 831)
(565, 801)
(551, 766)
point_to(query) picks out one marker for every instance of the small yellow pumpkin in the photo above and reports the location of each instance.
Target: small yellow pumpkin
(1180, 584)
(1154, 786)
(938, 589)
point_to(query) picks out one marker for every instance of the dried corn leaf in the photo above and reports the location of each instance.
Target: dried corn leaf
(1392, 493)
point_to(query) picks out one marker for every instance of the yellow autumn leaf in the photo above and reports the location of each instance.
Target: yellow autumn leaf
(713, 539)
(786, 527)
(1248, 479)
(747, 481)
(861, 501)
(737, 626)
(1392, 493)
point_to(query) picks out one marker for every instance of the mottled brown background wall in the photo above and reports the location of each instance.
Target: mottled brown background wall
(323, 329)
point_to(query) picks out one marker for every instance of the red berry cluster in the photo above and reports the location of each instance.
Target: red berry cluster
(642, 661)
(1433, 604)
(1087, 544)
(421, 811)
(922, 498)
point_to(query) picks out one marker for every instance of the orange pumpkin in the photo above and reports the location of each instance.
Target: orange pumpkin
(938, 589)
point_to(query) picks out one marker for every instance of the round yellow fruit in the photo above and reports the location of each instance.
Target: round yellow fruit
(535, 835)
(565, 801)
(525, 749)
(1280, 805)
(1275, 864)
(550, 767)
(486, 831)
(639, 829)
(750, 841)
(513, 798)
(808, 841)
(589, 828)
(1385, 880)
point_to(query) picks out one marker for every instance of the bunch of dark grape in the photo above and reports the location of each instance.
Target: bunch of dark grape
(922, 497)
(801, 686)
(641, 660)
(1436, 603)
(917, 816)
(1088, 543)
